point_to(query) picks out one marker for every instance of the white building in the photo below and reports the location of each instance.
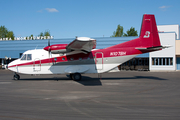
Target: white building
(169, 58)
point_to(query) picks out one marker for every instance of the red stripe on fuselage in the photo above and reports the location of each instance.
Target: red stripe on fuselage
(57, 59)
(112, 52)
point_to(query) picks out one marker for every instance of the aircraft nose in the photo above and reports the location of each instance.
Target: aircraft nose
(11, 66)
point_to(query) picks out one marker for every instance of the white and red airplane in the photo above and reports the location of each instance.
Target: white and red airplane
(81, 57)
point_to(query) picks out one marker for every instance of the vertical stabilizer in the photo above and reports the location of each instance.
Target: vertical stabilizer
(149, 34)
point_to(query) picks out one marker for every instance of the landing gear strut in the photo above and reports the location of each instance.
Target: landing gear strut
(16, 76)
(71, 76)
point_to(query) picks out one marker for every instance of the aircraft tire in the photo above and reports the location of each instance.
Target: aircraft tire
(16, 77)
(76, 76)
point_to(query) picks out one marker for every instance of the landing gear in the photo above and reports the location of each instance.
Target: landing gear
(75, 76)
(71, 76)
(16, 76)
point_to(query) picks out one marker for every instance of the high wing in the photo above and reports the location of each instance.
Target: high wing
(82, 44)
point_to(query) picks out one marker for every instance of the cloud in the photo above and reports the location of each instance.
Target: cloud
(164, 8)
(51, 10)
(40, 11)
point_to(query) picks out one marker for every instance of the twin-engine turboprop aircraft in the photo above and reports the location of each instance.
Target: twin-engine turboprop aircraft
(81, 57)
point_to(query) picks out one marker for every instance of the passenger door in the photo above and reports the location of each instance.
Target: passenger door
(37, 64)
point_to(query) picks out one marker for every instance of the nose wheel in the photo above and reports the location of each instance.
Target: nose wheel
(16, 76)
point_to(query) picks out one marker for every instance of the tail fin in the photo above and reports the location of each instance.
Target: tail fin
(149, 34)
(149, 37)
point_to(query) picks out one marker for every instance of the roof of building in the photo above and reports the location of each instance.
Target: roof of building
(13, 48)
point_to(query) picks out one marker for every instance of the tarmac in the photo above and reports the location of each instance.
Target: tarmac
(134, 95)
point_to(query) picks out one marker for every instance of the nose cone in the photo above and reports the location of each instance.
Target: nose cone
(12, 66)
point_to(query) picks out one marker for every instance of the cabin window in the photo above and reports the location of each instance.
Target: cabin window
(72, 58)
(80, 58)
(63, 58)
(55, 59)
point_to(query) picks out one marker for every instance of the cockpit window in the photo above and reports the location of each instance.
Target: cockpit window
(23, 57)
(26, 57)
(29, 57)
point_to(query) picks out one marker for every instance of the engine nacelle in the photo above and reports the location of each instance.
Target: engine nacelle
(56, 48)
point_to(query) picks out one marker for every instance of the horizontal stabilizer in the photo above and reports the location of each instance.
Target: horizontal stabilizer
(153, 48)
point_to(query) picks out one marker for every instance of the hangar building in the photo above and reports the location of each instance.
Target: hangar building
(166, 59)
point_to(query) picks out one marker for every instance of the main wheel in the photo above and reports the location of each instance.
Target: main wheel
(77, 76)
(16, 77)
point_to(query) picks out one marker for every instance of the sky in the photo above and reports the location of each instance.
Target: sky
(83, 18)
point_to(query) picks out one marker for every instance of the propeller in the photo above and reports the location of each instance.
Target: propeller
(49, 49)
(48, 42)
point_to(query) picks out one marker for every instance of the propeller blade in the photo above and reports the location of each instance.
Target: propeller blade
(48, 42)
(49, 49)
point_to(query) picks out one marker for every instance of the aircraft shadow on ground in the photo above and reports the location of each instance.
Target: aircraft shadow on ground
(86, 81)
(44, 79)
(89, 81)
(135, 77)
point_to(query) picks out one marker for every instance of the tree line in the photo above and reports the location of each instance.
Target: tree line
(119, 32)
(5, 33)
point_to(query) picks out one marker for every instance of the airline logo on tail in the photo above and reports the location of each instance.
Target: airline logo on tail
(147, 34)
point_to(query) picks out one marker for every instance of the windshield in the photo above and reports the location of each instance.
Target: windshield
(23, 57)
(26, 57)
(29, 57)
